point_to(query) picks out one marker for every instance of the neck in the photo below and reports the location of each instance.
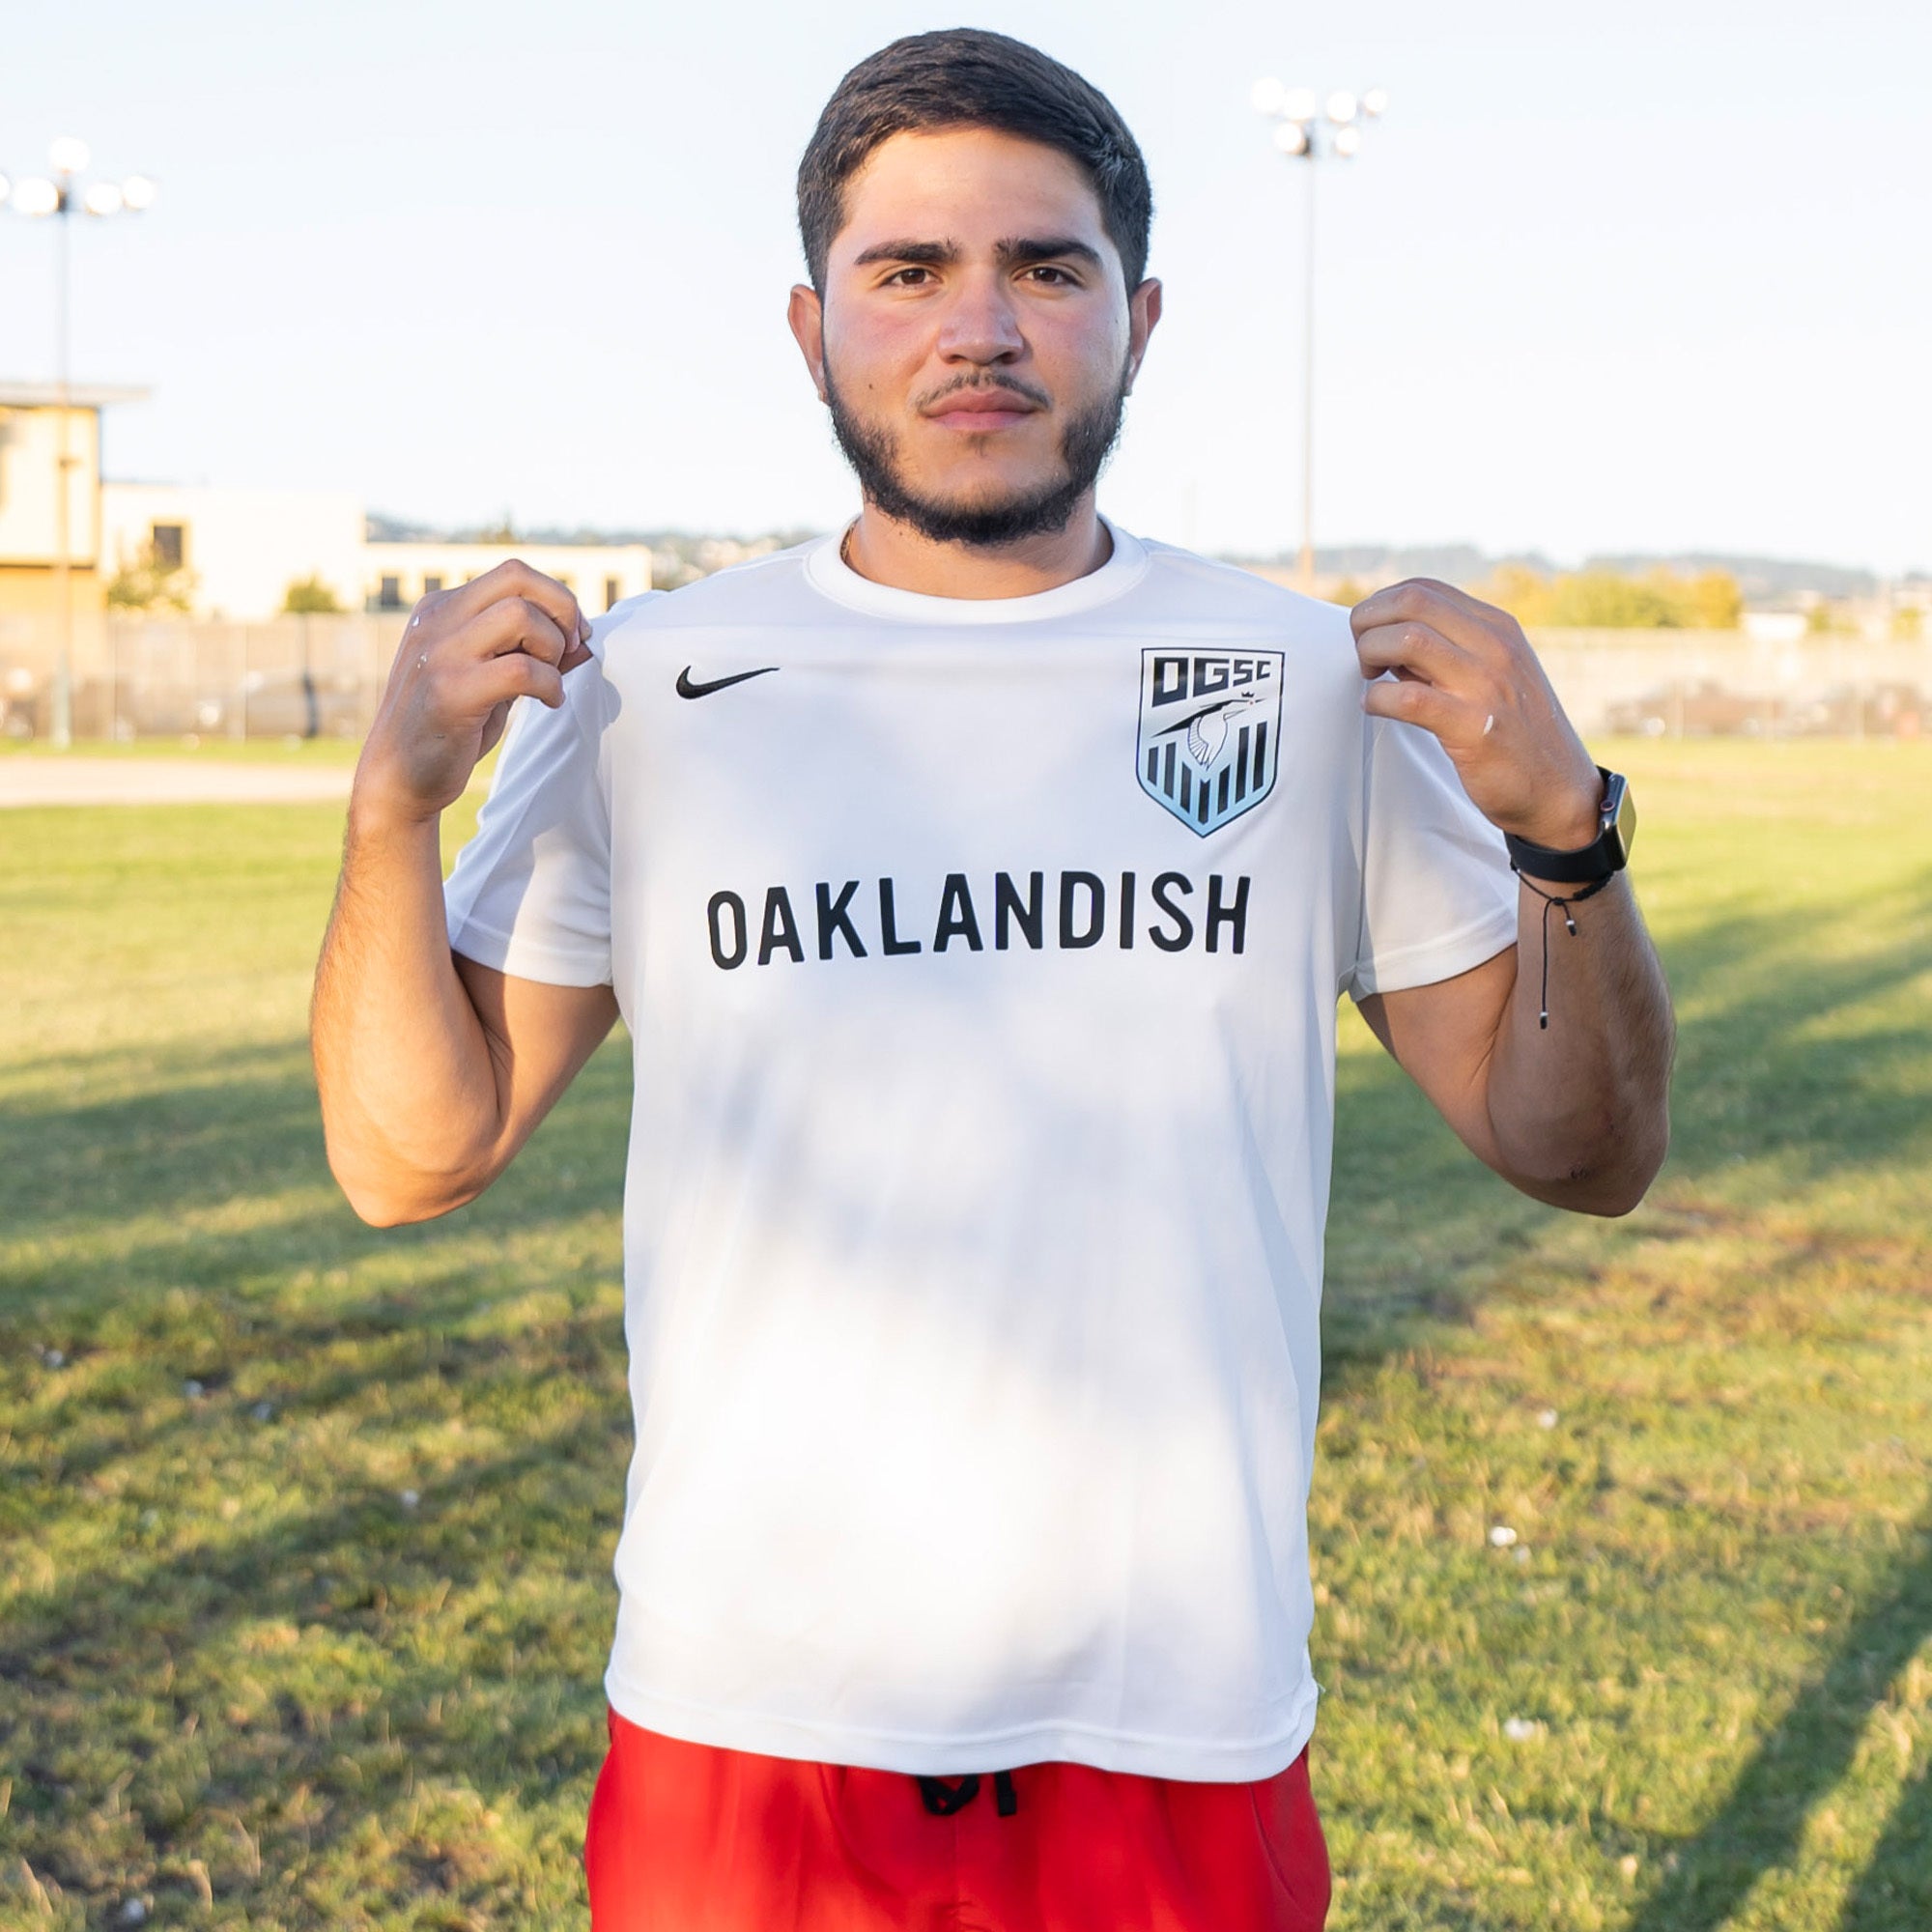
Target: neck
(894, 553)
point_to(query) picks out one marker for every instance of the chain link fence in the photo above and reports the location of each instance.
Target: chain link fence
(320, 676)
(143, 677)
(1705, 684)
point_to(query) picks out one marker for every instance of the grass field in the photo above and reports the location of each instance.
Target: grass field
(305, 1529)
(212, 749)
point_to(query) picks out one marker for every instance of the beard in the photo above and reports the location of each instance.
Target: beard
(1085, 446)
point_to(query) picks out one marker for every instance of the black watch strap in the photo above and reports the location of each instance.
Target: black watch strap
(1606, 854)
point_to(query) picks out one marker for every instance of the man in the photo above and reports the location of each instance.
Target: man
(976, 886)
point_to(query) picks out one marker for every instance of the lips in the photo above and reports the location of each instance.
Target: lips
(982, 410)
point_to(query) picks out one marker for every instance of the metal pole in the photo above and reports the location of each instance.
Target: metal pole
(63, 719)
(311, 709)
(1307, 572)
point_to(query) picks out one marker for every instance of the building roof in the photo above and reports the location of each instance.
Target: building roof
(79, 395)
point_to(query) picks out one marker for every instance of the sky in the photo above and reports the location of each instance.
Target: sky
(1646, 278)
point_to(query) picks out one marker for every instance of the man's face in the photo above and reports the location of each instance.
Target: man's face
(974, 342)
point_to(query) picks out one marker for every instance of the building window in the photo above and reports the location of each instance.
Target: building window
(391, 598)
(165, 541)
(432, 583)
(613, 590)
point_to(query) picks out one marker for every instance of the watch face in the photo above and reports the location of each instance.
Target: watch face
(1619, 814)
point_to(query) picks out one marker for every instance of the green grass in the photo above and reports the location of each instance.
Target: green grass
(242, 1679)
(203, 747)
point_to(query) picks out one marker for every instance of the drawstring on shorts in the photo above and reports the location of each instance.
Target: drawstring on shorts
(942, 1798)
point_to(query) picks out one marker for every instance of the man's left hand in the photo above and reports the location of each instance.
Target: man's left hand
(1464, 671)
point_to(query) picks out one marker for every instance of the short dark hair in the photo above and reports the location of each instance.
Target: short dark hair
(966, 77)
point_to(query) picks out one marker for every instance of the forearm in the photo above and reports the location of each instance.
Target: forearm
(1580, 1109)
(411, 1093)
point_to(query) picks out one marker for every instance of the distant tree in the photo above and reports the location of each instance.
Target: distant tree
(1348, 591)
(1908, 624)
(1714, 601)
(1609, 601)
(148, 585)
(310, 595)
(1524, 593)
(1604, 599)
(1821, 619)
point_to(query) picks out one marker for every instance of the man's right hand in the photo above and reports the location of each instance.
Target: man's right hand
(467, 655)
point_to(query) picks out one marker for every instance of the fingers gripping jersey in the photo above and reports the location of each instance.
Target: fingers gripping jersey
(980, 961)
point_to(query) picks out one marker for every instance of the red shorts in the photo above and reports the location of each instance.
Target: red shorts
(687, 1837)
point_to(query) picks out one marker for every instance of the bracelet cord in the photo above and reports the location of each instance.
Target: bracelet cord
(1566, 902)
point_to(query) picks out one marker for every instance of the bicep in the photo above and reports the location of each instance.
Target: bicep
(539, 1036)
(1442, 1036)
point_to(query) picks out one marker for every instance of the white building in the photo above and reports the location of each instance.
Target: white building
(394, 575)
(238, 550)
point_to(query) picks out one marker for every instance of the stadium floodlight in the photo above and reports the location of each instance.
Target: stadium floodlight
(37, 196)
(1299, 114)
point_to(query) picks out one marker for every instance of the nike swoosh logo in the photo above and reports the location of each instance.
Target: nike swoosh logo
(687, 689)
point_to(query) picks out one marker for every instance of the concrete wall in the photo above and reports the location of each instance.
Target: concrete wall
(1668, 683)
(135, 676)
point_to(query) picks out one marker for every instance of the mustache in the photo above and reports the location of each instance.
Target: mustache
(1036, 396)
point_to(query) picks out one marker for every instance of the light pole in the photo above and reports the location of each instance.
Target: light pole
(1300, 118)
(59, 193)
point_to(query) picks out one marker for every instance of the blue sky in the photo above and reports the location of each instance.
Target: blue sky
(1643, 278)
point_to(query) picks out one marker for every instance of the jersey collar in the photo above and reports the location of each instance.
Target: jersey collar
(829, 573)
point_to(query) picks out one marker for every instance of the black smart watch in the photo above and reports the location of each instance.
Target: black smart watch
(1607, 853)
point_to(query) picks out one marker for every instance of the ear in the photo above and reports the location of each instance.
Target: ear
(805, 313)
(1143, 312)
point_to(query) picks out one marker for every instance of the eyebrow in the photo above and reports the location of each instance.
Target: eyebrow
(1014, 251)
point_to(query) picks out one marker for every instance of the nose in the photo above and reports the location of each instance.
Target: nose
(982, 324)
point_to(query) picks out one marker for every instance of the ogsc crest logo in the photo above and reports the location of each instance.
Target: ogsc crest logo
(1210, 732)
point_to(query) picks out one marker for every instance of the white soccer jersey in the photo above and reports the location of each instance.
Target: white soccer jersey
(980, 962)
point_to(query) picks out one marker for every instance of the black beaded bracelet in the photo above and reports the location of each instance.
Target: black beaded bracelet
(1566, 900)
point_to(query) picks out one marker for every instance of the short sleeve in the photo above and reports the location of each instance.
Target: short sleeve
(531, 893)
(1438, 897)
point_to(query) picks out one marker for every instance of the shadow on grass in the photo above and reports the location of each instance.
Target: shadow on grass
(1767, 1062)
(189, 1131)
(1765, 1067)
(1415, 1228)
(1417, 1232)
(1893, 1892)
(153, 1645)
(1758, 1827)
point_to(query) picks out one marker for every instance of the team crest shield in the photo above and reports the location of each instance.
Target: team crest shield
(1210, 732)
